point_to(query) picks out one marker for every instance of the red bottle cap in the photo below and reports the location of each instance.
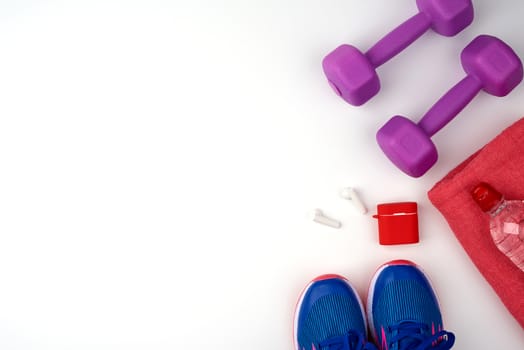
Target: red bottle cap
(486, 196)
(397, 223)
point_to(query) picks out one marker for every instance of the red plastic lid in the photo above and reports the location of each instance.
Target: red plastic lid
(397, 223)
(486, 196)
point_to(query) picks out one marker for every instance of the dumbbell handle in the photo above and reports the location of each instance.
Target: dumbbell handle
(450, 105)
(397, 40)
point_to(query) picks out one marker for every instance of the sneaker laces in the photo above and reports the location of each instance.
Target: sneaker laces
(414, 336)
(351, 341)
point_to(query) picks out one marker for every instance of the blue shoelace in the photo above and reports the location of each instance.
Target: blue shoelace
(351, 341)
(413, 336)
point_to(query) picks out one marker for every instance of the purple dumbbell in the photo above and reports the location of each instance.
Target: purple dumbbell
(491, 65)
(352, 74)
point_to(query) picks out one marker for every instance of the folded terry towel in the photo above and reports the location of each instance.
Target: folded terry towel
(501, 164)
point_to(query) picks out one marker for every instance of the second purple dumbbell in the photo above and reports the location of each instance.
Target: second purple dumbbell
(491, 65)
(352, 74)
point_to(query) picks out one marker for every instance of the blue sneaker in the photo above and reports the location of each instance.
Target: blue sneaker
(403, 311)
(330, 316)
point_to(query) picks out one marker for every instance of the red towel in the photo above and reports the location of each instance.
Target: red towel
(501, 164)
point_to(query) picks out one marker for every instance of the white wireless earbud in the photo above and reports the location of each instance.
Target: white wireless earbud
(319, 217)
(349, 193)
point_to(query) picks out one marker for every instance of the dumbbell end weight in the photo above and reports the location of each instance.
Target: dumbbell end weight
(494, 63)
(407, 146)
(351, 75)
(448, 17)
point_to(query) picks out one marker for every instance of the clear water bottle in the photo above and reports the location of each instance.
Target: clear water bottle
(506, 222)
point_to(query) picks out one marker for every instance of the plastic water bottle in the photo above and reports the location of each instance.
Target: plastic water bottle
(506, 222)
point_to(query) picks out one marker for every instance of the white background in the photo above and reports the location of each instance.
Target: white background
(158, 159)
